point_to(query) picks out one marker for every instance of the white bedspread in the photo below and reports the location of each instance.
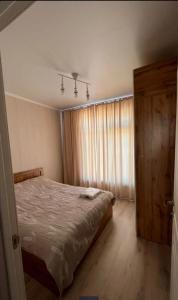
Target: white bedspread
(57, 225)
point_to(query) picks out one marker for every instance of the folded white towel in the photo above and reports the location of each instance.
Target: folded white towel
(90, 193)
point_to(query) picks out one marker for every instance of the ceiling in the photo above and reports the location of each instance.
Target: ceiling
(101, 40)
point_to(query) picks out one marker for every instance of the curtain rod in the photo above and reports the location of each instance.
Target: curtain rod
(109, 100)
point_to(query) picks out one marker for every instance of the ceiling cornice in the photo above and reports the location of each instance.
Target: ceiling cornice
(11, 10)
(29, 100)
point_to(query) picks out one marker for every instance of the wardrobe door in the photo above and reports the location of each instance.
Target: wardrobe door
(155, 118)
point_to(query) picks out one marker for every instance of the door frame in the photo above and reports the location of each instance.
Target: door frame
(12, 285)
(13, 260)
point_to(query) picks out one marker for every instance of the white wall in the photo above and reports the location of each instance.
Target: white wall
(34, 133)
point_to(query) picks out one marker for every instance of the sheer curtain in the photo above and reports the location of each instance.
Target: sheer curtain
(98, 144)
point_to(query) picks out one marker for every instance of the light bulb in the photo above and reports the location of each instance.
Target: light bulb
(75, 90)
(62, 86)
(87, 93)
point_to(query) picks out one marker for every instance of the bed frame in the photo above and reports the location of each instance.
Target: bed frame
(22, 176)
(35, 266)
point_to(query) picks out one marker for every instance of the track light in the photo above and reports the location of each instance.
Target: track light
(75, 78)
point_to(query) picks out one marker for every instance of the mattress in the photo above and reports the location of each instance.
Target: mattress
(56, 225)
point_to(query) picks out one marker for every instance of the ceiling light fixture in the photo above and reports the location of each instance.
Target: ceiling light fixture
(62, 85)
(75, 78)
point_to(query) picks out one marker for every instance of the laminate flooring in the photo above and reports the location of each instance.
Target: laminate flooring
(118, 267)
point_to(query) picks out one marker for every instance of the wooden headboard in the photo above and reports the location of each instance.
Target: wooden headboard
(24, 175)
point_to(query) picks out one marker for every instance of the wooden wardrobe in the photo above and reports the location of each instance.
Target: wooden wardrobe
(155, 97)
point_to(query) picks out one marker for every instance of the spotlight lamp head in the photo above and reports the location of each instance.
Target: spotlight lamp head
(87, 93)
(75, 89)
(75, 92)
(62, 85)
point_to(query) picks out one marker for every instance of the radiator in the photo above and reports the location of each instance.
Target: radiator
(174, 262)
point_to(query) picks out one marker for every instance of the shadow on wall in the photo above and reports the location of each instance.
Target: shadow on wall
(158, 41)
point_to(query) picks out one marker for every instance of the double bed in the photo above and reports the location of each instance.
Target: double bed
(56, 226)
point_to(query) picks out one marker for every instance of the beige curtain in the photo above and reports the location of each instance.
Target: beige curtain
(98, 144)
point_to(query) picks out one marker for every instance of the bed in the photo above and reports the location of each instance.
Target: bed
(57, 227)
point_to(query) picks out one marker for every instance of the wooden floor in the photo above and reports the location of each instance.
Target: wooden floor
(118, 267)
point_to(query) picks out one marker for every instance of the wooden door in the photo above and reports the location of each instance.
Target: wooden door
(155, 119)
